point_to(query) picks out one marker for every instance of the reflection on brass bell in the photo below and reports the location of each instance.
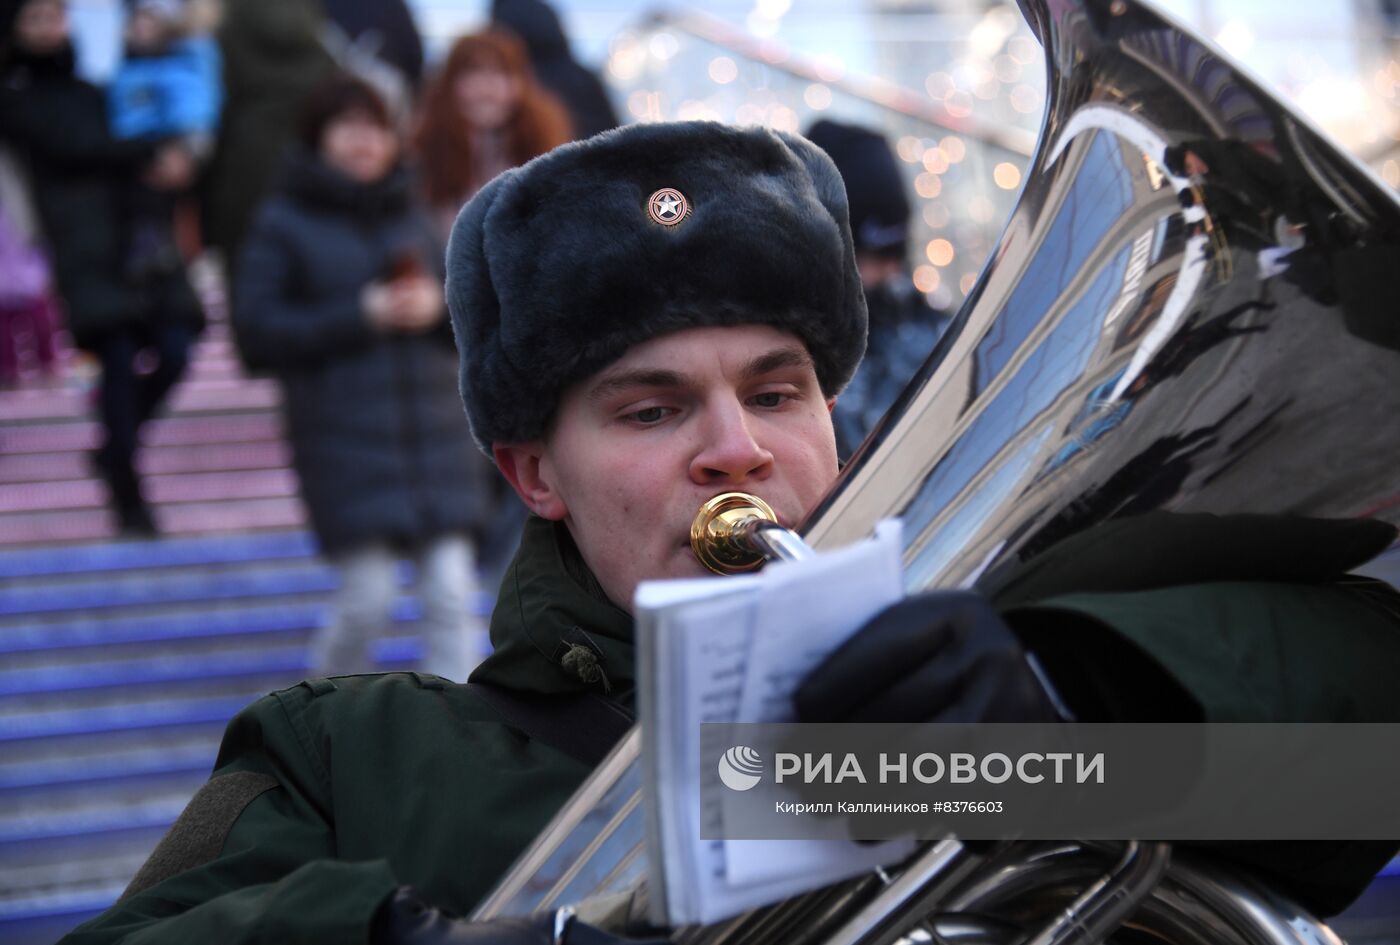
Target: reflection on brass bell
(719, 533)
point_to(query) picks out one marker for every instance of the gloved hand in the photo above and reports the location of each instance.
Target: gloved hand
(406, 919)
(939, 657)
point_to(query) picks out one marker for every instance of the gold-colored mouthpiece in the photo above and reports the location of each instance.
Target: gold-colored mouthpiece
(717, 535)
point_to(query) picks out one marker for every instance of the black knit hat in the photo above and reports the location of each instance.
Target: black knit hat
(556, 268)
(874, 186)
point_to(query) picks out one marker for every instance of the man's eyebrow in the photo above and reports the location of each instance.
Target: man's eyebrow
(790, 356)
(624, 381)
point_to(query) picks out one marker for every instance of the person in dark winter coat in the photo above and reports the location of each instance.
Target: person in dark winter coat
(903, 326)
(337, 292)
(583, 93)
(273, 58)
(646, 320)
(81, 173)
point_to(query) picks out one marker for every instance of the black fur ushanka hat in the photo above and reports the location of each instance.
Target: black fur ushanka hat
(556, 268)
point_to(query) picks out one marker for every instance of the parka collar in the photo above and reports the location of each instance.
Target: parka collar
(313, 183)
(553, 629)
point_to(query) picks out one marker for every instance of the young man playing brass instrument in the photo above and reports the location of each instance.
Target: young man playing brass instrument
(646, 319)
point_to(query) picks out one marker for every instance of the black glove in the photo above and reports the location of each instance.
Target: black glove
(940, 657)
(405, 919)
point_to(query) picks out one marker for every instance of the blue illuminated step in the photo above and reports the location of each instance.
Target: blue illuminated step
(224, 663)
(171, 588)
(295, 616)
(157, 713)
(167, 553)
(157, 812)
(106, 630)
(190, 754)
(79, 903)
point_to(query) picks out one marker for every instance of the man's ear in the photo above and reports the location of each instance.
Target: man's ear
(830, 404)
(521, 464)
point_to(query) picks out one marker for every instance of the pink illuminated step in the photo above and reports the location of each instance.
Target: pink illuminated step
(94, 524)
(196, 397)
(199, 487)
(168, 431)
(218, 457)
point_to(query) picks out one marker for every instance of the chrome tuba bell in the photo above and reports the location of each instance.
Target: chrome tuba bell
(1190, 310)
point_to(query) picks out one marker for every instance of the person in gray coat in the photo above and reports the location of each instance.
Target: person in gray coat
(339, 293)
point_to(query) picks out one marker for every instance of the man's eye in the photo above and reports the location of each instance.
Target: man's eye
(648, 415)
(770, 398)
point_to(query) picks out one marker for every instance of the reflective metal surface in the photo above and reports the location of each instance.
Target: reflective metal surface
(1192, 309)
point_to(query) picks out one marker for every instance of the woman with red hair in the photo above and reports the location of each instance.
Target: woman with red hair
(482, 113)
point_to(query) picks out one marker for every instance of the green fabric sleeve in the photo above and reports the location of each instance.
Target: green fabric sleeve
(1245, 651)
(275, 879)
(324, 901)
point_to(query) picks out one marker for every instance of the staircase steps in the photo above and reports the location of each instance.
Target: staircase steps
(74, 465)
(85, 434)
(122, 661)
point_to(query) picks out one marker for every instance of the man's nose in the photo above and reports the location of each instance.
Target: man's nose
(729, 453)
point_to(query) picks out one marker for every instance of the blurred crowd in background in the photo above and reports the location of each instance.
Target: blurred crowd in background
(305, 148)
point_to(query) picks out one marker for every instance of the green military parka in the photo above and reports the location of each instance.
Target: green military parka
(327, 796)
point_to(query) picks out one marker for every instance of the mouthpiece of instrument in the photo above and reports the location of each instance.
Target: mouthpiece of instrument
(720, 533)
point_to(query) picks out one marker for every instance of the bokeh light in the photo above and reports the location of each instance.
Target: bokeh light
(783, 118)
(909, 148)
(935, 161)
(663, 46)
(940, 252)
(940, 85)
(1006, 175)
(926, 278)
(959, 104)
(723, 70)
(936, 215)
(928, 186)
(817, 97)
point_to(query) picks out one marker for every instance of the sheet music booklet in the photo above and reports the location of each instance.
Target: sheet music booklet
(735, 649)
